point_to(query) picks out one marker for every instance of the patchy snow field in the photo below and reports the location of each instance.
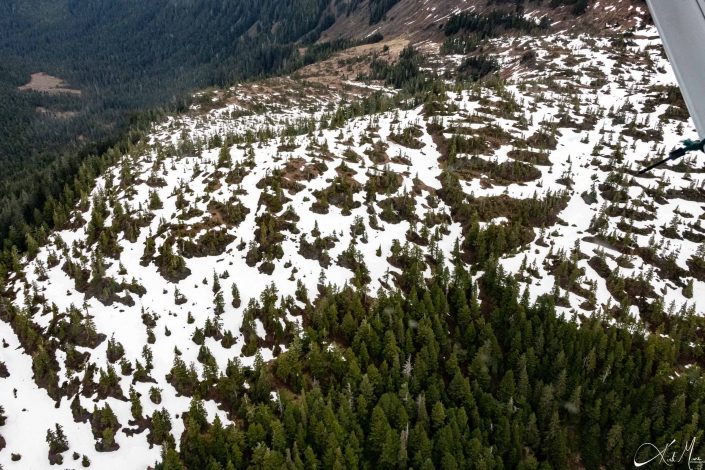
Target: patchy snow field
(597, 98)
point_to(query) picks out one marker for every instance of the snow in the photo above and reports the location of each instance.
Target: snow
(32, 412)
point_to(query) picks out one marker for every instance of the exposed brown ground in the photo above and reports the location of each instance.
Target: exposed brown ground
(415, 20)
(45, 83)
(281, 91)
(56, 114)
(310, 85)
(351, 63)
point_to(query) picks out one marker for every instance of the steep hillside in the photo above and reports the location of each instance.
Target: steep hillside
(420, 20)
(385, 258)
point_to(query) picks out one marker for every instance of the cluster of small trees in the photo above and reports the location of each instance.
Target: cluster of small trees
(492, 24)
(58, 443)
(405, 73)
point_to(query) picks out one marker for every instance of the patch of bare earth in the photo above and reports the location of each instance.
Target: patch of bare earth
(45, 83)
(350, 63)
(272, 93)
(56, 114)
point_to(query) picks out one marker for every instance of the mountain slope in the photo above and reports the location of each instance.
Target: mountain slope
(287, 253)
(420, 20)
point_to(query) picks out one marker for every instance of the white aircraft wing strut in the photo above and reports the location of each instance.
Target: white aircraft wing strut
(681, 24)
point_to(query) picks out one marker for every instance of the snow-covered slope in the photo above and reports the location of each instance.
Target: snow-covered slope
(266, 193)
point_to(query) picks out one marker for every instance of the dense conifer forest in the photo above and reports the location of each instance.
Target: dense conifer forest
(426, 378)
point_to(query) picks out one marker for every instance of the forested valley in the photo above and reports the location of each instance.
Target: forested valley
(131, 60)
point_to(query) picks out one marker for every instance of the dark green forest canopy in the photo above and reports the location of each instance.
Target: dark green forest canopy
(109, 47)
(434, 378)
